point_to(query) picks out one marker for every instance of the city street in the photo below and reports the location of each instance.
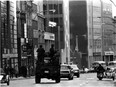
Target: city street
(85, 80)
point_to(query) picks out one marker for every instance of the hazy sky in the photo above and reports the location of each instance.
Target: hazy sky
(114, 8)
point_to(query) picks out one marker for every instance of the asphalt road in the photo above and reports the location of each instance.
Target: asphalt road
(85, 80)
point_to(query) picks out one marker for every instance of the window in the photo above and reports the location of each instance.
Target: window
(60, 8)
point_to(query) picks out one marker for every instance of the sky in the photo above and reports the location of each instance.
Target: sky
(114, 8)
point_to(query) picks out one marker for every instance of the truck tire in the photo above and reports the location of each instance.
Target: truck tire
(113, 78)
(37, 79)
(58, 80)
(70, 77)
(100, 78)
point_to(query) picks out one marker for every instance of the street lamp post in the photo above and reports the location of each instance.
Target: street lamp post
(0, 39)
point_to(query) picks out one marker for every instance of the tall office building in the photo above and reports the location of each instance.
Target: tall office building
(91, 30)
(100, 27)
(58, 31)
(79, 31)
(61, 30)
(57, 17)
(8, 34)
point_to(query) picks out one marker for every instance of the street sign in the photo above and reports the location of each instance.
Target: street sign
(96, 53)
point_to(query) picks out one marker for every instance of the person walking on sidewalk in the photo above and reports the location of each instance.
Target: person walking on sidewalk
(16, 71)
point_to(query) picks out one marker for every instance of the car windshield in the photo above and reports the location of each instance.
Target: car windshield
(112, 64)
(74, 66)
(64, 67)
(103, 64)
(97, 64)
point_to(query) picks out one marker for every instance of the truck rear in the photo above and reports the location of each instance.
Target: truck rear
(49, 68)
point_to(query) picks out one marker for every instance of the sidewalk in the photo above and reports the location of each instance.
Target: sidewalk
(21, 78)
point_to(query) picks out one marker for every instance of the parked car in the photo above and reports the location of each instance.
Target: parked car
(66, 71)
(112, 64)
(3, 77)
(75, 70)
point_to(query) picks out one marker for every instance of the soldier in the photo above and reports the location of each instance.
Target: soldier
(41, 53)
(52, 51)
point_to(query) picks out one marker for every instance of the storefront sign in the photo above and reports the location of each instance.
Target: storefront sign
(109, 53)
(96, 53)
(49, 36)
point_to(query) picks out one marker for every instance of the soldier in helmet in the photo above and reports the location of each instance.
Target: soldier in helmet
(41, 53)
(52, 51)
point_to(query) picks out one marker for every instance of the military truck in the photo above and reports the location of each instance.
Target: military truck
(49, 68)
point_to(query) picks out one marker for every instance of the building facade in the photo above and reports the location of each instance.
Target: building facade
(61, 30)
(92, 35)
(100, 31)
(8, 35)
(30, 28)
(78, 32)
(57, 17)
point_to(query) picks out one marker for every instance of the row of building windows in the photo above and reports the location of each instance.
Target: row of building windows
(5, 32)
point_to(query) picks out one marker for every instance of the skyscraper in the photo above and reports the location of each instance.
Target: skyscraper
(8, 34)
(90, 20)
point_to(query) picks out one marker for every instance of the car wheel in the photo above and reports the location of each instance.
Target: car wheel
(8, 82)
(58, 80)
(70, 77)
(100, 78)
(78, 75)
(113, 78)
(37, 79)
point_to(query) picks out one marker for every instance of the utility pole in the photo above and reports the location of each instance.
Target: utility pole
(59, 37)
(0, 38)
(102, 35)
(59, 42)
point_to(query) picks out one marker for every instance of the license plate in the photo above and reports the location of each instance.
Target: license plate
(46, 71)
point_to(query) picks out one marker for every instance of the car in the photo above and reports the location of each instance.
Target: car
(112, 64)
(66, 71)
(4, 78)
(75, 70)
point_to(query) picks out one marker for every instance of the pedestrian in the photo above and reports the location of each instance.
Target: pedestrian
(16, 71)
(41, 53)
(24, 71)
(11, 72)
(83, 69)
(7, 70)
(31, 71)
